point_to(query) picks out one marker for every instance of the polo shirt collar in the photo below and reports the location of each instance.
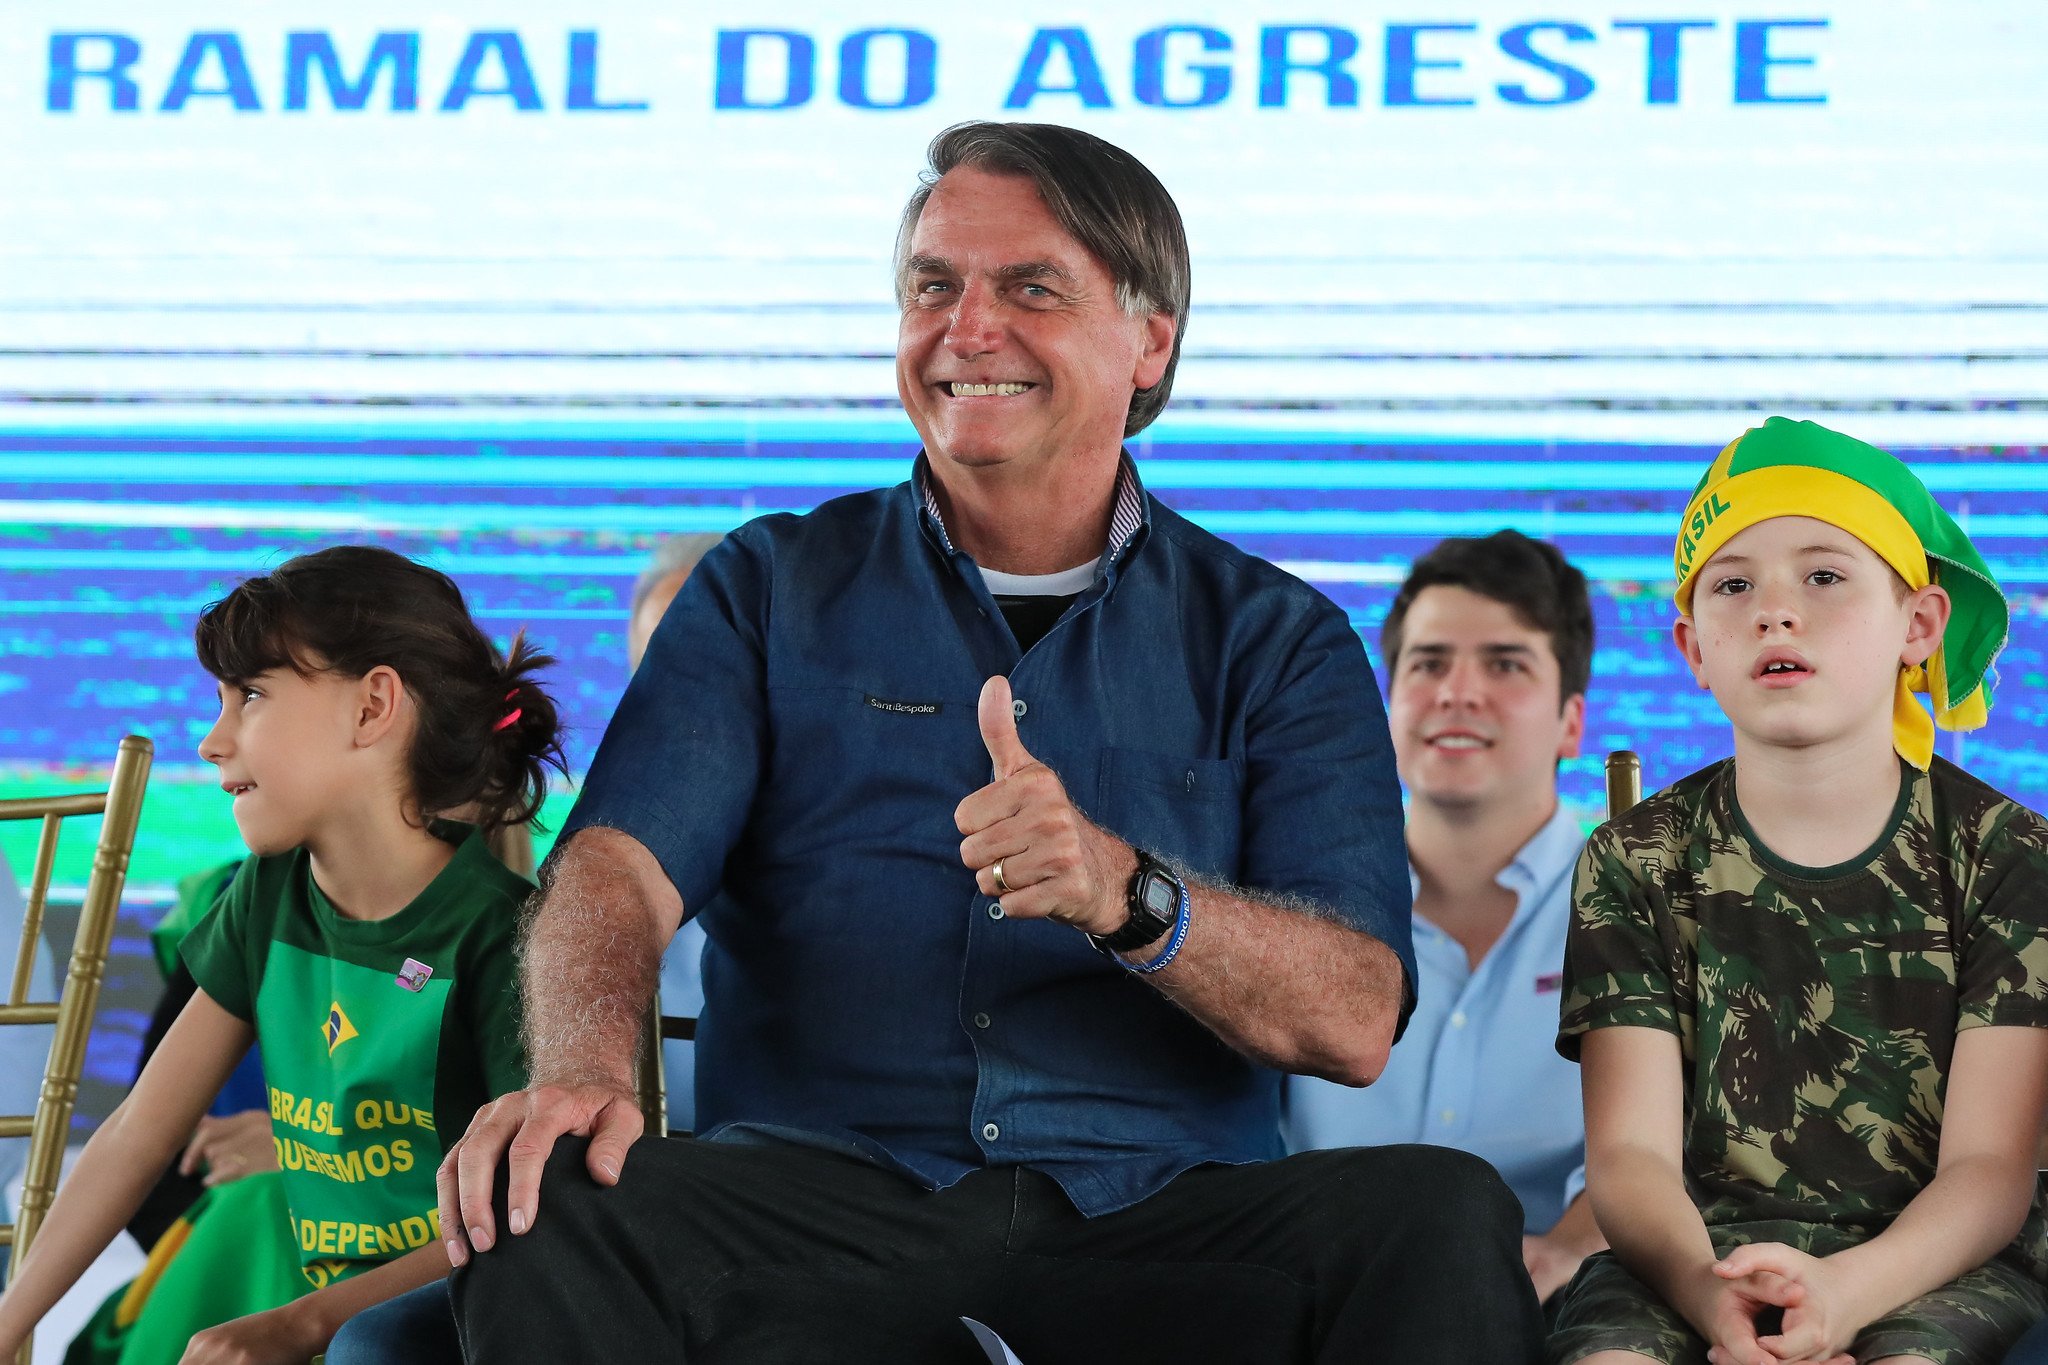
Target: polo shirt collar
(1550, 854)
(1132, 512)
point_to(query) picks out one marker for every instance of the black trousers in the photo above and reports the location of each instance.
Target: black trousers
(712, 1253)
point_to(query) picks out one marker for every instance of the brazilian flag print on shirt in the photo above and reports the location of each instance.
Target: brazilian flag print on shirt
(380, 1039)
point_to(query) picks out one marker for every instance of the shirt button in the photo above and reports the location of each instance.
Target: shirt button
(982, 1021)
(1458, 1019)
(990, 1132)
(1448, 1115)
(1018, 708)
(995, 909)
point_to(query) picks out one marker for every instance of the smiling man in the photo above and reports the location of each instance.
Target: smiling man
(1051, 830)
(1489, 647)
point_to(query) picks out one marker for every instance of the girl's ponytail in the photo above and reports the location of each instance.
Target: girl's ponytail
(525, 741)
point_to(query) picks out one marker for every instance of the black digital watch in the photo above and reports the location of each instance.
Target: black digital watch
(1153, 900)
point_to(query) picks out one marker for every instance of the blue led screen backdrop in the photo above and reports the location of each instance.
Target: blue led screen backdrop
(519, 291)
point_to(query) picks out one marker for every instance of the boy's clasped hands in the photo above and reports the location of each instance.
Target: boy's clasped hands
(1765, 1279)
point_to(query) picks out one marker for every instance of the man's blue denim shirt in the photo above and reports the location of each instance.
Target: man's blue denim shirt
(798, 736)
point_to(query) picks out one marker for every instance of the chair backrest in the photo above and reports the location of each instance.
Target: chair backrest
(651, 1081)
(1624, 781)
(72, 1011)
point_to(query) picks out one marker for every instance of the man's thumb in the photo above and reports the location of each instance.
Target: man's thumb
(999, 728)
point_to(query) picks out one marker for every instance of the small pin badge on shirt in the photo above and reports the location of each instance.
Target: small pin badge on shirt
(413, 975)
(1548, 982)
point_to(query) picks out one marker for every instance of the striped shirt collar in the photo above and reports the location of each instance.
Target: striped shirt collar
(1123, 522)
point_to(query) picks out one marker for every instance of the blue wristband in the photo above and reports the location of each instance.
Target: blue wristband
(1179, 936)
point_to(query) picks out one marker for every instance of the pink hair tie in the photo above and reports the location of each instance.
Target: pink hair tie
(510, 717)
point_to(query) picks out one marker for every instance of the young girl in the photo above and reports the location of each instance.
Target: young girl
(367, 946)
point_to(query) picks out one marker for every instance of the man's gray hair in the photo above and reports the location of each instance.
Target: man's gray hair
(674, 555)
(1106, 200)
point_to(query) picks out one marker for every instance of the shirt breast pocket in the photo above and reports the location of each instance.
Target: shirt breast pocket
(1190, 810)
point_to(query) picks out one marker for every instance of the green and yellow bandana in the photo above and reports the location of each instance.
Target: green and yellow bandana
(1801, 469)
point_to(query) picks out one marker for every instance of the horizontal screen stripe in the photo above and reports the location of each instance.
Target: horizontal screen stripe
(681, 471)
(1624, 568)
(480, 517)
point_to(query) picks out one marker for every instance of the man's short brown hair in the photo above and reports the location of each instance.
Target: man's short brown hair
(1529, 577)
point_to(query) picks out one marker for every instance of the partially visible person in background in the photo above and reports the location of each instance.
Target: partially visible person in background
(682, 975)
(658, 584)
(1487, 651)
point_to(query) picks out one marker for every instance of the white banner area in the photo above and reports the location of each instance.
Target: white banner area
(1469, 218)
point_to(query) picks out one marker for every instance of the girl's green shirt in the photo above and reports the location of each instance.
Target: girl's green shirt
(380, 1039)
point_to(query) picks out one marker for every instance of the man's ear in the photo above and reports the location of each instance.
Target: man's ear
(1574, 734)
(1686, 636)
(380, 698)
(1928, 612)
(1160, 329)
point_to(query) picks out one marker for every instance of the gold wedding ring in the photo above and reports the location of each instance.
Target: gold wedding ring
(996, 872)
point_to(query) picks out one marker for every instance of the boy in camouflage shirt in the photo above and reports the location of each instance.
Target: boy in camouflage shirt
(1809, 985)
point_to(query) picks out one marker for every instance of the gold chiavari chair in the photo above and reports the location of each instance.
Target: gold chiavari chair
(72, 1011)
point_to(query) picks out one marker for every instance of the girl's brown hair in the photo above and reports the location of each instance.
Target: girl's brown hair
(487, 731)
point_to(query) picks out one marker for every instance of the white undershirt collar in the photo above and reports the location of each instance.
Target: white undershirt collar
(1065, 583)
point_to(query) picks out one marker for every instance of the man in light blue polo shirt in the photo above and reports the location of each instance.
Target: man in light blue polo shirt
(1487, 648)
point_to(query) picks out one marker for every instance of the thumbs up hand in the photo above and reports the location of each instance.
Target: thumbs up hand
(998, 717)
(1028, 844)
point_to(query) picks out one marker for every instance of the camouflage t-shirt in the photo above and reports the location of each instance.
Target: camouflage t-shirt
(1816, 1008)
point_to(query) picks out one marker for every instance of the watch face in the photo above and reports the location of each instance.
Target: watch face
(1160, 897)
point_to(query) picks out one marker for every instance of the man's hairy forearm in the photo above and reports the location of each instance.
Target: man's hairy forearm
(589, 963)
(1287, 984)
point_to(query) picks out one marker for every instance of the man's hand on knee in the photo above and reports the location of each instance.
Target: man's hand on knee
(521, 1129)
